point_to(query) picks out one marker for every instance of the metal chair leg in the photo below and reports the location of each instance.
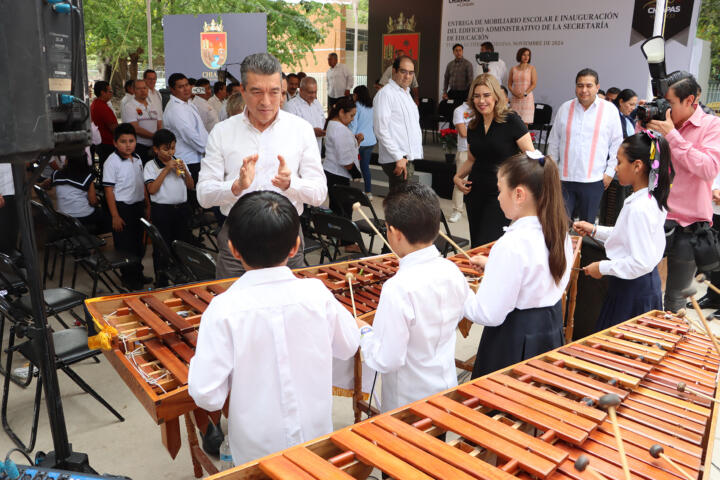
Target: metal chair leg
(81, 383)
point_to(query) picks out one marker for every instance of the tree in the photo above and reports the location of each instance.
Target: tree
(116, 30)
(709, 29)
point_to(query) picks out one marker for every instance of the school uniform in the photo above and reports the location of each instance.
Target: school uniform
(72, 200)
(270, 339)
(412, 341)
(634, 247)
(518, 300)
(168, 208)
(125, 176)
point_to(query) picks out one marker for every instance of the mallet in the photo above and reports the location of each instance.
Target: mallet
(358, 208)
(349, 277)
(611, 401)
(690, 294)
(583, 462)
(703, 279)
(657, 451)
(452, 242)
(682, 387)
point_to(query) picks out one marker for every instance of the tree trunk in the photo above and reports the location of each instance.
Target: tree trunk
(134, 59)
(118, 77)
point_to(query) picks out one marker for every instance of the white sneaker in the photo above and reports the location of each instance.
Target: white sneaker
(369, 196)
(455, 217)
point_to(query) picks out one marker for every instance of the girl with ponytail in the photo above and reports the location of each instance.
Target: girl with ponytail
(635, 245)
(519, 299)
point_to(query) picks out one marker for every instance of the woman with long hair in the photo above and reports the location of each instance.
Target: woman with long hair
(363, 123)
(341, 146)
(522, 80)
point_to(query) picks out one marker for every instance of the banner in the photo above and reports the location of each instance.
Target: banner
(566, 36)
(200, 45)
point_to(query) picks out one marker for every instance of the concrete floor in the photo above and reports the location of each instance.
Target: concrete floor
(133, 447)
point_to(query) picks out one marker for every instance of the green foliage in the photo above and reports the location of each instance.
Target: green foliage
(709, 29)
(117, 28)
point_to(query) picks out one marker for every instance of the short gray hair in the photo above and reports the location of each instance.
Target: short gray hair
(307, 81)
(235, 104)
(260, 63)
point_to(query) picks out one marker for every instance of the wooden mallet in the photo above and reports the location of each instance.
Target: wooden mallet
(611, 401)
(657, 451)
(690, 294)
(358, 208)
(682, 387)
(583, 463)
(452, 242)
(703, 279)
(349, 277)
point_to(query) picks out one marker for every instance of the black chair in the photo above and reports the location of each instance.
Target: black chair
(346, 197)
(445, 110)
(57, 242)
(170, 268)
(428, 118)
(311, 241)
(71, 346)
(542, 123)
(197, 260)
(443, 245)
(335, 231)
(206, 224)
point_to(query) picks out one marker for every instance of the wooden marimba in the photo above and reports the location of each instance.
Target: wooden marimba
(535, 418)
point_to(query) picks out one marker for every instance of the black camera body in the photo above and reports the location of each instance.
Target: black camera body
(487, 57)
(660, 81)
(655, 110)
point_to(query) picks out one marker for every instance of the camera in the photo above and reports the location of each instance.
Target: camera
(654, 51)
(198, 90)
(483, 58)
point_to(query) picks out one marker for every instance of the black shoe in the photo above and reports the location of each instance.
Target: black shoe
(147, 280)
(212, 439)
(707, 302)
(714, 315)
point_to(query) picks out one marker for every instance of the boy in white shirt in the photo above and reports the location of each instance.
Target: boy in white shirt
(412, 340)
(270, 338)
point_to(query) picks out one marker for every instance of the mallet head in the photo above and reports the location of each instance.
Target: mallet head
(681, 386)
(701, 278)
(681, 313)
(357, 206)
(609, 400)
(689, 292)
(349, 277)
(582, 463)
(613, 381)
(656, 450)
(588, 401)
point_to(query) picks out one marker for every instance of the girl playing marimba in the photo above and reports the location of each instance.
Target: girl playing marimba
(518, 300)
(636, 243)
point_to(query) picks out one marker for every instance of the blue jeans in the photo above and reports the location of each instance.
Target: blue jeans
(365, 153)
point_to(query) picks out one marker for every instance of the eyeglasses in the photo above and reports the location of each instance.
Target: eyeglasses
(407, 73)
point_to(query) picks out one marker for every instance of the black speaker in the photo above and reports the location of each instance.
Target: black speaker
(43, 83)
(591, 293)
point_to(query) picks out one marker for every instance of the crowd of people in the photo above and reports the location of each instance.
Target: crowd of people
(253, 152)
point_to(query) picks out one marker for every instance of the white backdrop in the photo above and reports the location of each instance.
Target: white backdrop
(564, 36)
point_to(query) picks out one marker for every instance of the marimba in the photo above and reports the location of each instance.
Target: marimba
(535, 418)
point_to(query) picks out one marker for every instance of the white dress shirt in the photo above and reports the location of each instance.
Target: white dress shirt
(270, 339)
(591, 149)
(216, 104)
(636, 243)
(123, 102)
(396, 122)
(497, 69)
(207, 113)
(155, 97)
(235, 138)
(341, 148)
(312, 112)
(517, 275)
(125, 176)
(339, 79)
(7, 187)
(173, 189)
(412, 343)
(183, 119)
(147, 118)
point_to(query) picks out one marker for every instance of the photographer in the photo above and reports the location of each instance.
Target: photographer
(694, 139)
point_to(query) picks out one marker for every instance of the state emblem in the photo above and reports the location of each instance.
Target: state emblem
(213, 45)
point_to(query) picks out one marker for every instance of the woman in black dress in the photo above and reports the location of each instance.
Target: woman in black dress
(495, 134)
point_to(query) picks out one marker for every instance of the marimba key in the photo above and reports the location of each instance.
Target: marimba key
(578, 378)
(652, 434)
(190, 299)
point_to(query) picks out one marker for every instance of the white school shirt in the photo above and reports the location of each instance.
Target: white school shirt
(173, 189)
(72, 194)
(396, 122)
(339, 79)
(183, 119)
(235, 138)
(206, 111)
(584, 148)
(341, 148)
(126, 178)
(517, 275)
(311, 112)
(462, 115)
(6, 180)
(412, 343)
(155, 97)
(147, 118)
(636, 243)
(270, 340)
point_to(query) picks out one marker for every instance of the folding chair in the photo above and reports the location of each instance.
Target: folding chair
(337, 229)
(346, 197)
(311, 241)
(443, 245)
(542, 123)
(171, 268)
(197, 260)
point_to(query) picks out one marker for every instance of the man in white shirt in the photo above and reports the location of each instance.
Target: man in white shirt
(201, 101)
(339, 80)
(144, 117)
(154, 96)
(8, 212)
(498, 69)
(293, 85)
(306, 106)
(263, 148)
(584, 141)
(387, 74)
(219, 96)
(396, 122)
(129, 94)
(183, 119)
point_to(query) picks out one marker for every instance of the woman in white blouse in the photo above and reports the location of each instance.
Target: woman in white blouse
(341, 146)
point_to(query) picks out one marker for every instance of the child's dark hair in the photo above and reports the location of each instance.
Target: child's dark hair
(124, 129)
(637, 147)
(162, 137)
(76, 166)
(345, 104)
(414, 209)
(263, 226)
(542, 178)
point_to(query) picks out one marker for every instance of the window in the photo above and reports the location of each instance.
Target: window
(350, 40)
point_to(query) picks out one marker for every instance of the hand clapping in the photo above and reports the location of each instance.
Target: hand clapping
(284, 175)
(247, 175)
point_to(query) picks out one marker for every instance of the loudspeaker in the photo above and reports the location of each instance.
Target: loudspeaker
(591, 293)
